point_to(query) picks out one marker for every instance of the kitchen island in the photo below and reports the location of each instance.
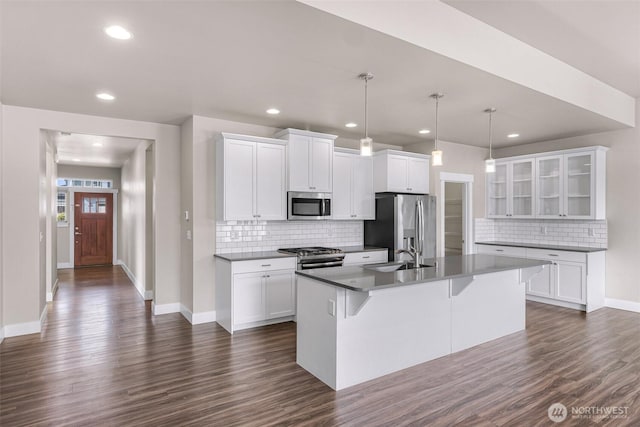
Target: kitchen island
(358, 323)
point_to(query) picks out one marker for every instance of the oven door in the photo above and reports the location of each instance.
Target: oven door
(309, 206)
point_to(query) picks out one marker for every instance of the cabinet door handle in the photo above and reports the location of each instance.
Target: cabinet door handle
(267, 276)
(365, 257)
(409, 189)
(499, 250)
(312, 188)
(266, 265)
(552, 254)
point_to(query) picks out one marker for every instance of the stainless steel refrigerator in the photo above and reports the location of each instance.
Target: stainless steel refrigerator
(403, 221)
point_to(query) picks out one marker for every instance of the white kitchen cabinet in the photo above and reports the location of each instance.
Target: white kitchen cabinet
(573, 279)
(309, 160)
(250, 180)
(510, 189)
(366, 257)
(571, 185)
(252, 293)
(353, 195)
(401, 172)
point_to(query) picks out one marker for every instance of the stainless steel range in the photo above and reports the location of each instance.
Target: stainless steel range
(316, 257)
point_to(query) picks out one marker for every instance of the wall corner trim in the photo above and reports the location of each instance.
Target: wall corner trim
(621, 304)
(197, 318)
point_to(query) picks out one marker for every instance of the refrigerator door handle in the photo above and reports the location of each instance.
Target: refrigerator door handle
(418, 227)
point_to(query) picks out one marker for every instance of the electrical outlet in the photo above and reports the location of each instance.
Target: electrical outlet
(543, 230)
(234, 235)
(188, 234)
(592, 232)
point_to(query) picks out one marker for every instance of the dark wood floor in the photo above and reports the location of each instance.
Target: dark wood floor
(103, 359)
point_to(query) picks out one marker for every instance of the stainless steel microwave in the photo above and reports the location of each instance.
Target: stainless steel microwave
(308, 206)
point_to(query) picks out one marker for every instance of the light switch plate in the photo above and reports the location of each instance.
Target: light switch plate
(332, 307)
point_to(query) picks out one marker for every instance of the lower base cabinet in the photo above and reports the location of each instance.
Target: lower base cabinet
(573, 279)
(254, 293)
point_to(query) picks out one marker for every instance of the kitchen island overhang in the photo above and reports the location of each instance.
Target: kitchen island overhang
(355, 324)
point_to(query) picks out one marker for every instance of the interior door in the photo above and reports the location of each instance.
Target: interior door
(93, 229)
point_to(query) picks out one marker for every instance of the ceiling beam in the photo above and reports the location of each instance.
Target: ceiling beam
(442, 29)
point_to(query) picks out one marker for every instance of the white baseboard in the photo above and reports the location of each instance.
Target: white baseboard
(18, 329)
(43, 316)
(165, 308)
(621, 304)
(146, 295)
(62, 265)
(52, 294)
(203, 317)
(558, 303)
(186, 313)
(197, 318)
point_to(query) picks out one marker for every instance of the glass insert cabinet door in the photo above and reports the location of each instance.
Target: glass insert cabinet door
(522, 188)
(549, 186)
(579, 181)
(497, 191)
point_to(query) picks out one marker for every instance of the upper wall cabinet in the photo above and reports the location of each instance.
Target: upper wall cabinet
(510, 189)
(250, 178)
(401, 172)
(309, 160)
(567, 184)
(353, 195)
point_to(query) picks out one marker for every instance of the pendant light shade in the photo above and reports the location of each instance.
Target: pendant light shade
(436, 155)
(490, 163)
(366, 143)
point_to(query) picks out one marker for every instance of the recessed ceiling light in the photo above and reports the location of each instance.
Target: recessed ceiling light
(75, 160)
(117, 32)
(513, 135)
(105, 96)
(424, 131)
(273, 111)
(351, 125)
(97, 144)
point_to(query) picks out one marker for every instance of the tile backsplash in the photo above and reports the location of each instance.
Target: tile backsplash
(252, 236)
(554, 232)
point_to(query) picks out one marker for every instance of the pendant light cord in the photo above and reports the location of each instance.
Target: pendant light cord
(366, 128)
(490, 133)
(436, 139)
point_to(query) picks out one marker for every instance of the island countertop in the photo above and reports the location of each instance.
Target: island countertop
(361, 278)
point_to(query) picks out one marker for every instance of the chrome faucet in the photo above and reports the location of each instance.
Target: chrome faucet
(411, 250)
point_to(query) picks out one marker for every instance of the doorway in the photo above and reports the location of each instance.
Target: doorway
(93, 229)
(453, 224)
(456, 214)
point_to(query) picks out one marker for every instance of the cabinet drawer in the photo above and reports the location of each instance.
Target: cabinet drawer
(551, 255)
(368, 257)
(268, 264)
(502, 250)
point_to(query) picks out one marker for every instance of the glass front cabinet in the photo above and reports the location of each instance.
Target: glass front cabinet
(568, 184)
(510, 189)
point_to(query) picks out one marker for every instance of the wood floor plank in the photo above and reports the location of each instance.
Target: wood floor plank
(103, 359)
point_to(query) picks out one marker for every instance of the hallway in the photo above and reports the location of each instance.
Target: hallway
(104, 360)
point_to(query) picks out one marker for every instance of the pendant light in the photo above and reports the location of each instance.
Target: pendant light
(366, 143)
(490, 163)
(436, 155)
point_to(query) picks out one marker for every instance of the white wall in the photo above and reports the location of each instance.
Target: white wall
(623, 201)
(1, 228)
(133, 228)
(186, 203)
(22, 262)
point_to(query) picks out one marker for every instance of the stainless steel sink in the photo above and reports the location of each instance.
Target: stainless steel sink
(395, 266)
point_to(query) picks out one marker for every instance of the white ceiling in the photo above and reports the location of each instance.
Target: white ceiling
(92, 150)
(233, 60)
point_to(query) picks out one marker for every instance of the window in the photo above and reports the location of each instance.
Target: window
(94, 205)
(84, 183)
(61, 205)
